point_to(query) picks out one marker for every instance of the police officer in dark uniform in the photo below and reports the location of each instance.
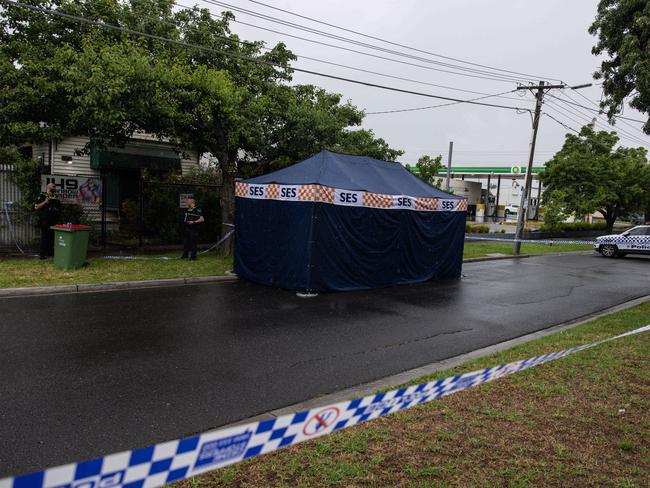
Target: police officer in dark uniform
(192, 220)
(48, 207)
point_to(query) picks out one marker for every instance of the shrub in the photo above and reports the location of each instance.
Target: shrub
(74, 214)
(573, 226)
(476, 229)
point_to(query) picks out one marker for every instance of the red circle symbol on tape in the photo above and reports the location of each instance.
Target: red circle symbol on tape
(320, 421)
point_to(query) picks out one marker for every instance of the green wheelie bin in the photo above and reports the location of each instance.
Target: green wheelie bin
(70, 245)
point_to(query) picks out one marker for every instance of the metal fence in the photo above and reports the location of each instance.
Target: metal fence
(148, 216)
(18, 229)
(154, 217)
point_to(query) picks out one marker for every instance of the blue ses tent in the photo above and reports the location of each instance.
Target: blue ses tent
(341, 222)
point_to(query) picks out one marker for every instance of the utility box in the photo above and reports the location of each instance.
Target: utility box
(70, 245)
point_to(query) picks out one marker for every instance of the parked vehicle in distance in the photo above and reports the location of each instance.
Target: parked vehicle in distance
(633, 241)
(510, 210)
(635, 219)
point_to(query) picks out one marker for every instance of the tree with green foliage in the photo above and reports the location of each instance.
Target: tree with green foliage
(623, 30)
(60, 78)
(303, 120)
(588, 174)
(362, 142)
(428, 168)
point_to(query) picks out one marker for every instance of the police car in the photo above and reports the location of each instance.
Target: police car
(633, 241)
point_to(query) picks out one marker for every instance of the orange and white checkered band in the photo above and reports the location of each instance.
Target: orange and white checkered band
(377, 200)
(316, 193)
(241, 189)
(272, 191)
(354, 198)
(426, 204)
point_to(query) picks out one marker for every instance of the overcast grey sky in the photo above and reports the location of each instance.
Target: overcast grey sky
(549, 39)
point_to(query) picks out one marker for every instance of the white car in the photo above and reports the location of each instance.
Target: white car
(633, 241)
(511, 210)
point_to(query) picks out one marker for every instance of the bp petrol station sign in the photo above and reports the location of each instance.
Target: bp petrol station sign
(515, 170)
(505, 170)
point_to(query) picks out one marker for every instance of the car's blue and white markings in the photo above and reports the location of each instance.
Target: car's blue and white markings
(633, 241)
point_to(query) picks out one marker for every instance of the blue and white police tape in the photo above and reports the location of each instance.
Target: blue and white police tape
(167, 258)
(160, 464)
(530, 241)
(220, 241)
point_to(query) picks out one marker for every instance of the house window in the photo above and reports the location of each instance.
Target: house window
(66, 159)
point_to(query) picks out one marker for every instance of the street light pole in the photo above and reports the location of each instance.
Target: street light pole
(451, 148)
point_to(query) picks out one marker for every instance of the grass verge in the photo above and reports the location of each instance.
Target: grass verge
(583, 420)
(483, 248)
(34, 272)
(16, 272)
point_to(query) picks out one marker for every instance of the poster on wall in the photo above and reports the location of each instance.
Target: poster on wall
(84, 190)
(182, 199)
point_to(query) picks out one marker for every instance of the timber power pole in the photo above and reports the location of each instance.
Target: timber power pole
(526, 191)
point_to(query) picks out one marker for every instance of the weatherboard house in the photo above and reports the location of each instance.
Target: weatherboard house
(118, 168)
(341, 222)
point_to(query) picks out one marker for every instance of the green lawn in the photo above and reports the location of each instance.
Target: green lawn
(583, 420)
(34, 272)
(476, 249)
(15, 272)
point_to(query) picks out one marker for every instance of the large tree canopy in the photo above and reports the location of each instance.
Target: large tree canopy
(589, 175)
(623, 30)
(59, 78)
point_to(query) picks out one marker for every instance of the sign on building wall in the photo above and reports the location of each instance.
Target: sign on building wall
(75, 189)
(182, 199)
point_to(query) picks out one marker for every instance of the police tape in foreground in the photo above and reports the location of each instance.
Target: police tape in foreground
(164, 463)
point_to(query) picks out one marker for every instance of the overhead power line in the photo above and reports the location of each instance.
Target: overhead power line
(599, 118)
(434, 106)
(528, 76)
(331, 63)
(598, 111)
(604, 117)
(363, 53)
(591, 118)
(581, 121)
(473, 72)
(560, 110)
(571, 128)
(561, 123)
(478, 151)
(245, 58)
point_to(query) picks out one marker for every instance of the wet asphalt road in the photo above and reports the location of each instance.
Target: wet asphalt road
(88, 374)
